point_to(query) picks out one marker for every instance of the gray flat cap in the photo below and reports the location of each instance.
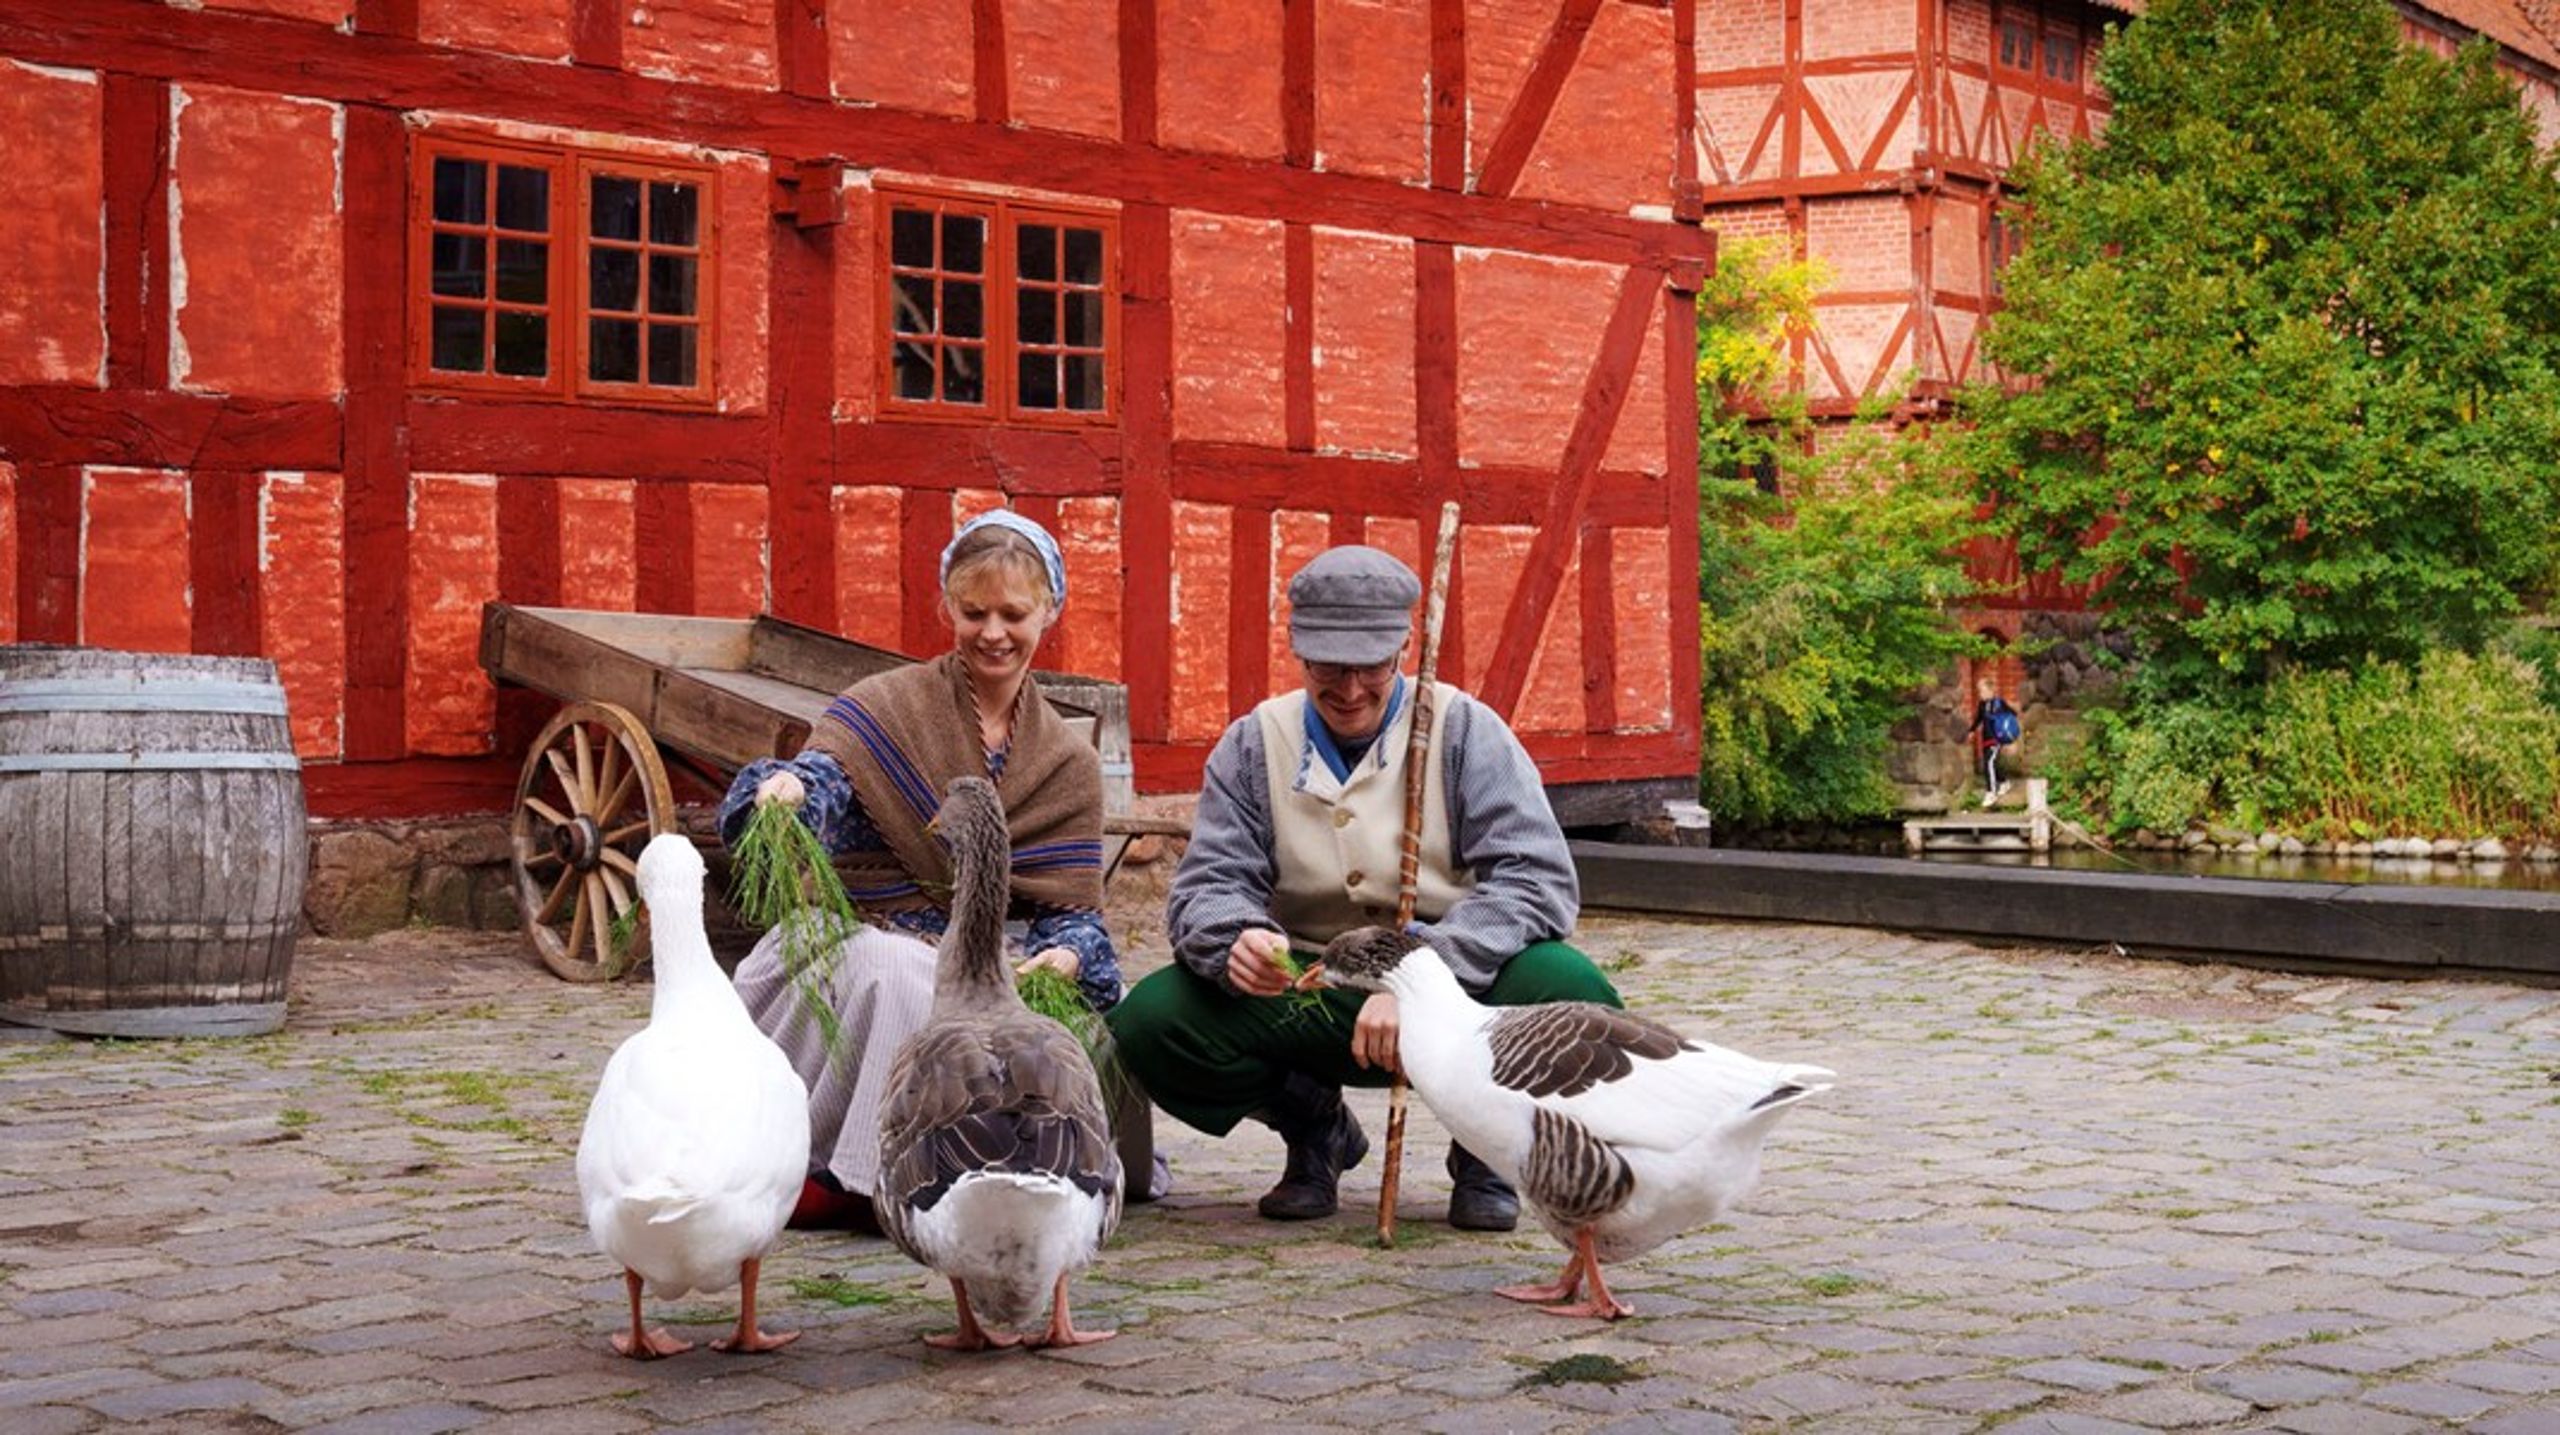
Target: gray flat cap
(1352, 605)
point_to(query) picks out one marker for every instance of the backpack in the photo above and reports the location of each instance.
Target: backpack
(2004, 724)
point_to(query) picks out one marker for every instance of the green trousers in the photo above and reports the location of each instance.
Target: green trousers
(1213, 1058)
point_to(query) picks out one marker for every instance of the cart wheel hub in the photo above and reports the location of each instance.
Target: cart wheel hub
(579, 844)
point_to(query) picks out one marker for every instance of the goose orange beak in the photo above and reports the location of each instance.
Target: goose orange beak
(1310, 979)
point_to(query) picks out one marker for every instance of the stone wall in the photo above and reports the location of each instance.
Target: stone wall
(370, 877)
(2059, 661)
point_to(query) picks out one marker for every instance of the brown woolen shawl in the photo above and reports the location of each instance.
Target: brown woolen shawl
(903, 735)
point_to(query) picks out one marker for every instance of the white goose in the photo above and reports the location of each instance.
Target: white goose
(997, 1167)
(1620, 1132)
(698, 1137)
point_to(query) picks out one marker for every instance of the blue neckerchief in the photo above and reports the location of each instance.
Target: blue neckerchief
(1331, 751)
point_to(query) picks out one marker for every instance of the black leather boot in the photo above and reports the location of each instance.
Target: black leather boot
(1480, 1200)
(1324, 1141)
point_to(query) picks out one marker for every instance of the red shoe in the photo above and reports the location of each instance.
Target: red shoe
(826, 1206)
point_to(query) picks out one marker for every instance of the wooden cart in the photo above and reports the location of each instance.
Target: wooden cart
(712, 694)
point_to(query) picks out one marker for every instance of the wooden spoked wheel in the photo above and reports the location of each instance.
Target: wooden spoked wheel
(592, 794)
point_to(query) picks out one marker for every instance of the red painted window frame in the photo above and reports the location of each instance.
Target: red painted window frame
(2040, 28)
(702, 252)
(570, 169)
(1006, 217)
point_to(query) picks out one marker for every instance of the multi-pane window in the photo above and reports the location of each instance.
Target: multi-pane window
(643, 297)
(997, 310)
(548, 272)
(2018, 44)
(2062, 59)
(2044, 46)
(489, 281)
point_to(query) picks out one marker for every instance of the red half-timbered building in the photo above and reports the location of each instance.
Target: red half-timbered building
(329, 320)
(1876, 135)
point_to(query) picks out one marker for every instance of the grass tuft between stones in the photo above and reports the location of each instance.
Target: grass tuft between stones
(1582, 1370)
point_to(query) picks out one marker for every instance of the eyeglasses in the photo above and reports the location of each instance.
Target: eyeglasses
(1325, 675)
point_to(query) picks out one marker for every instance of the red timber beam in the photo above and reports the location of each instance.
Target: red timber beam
(222, 561)
(48, 553)
(387, 17)
(160, 428)
(1527, 118)
(145, 38)
(1298, 83)
(991, 79)
(136, 154)
(1265, 479)
(1688, 196)
(1298, 345)
(1793, 97)
(1449, 95)
(1604, 394)
(1435, 410)
(800, 332)
(1680, 487)
(800, 346)
(1146, 480)
(800, 47)
(375, 462)
(595, 33)
(1146, 415)
(1138, 59)
(511, 437)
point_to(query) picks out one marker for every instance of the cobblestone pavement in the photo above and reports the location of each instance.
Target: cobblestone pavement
(2054, 1192)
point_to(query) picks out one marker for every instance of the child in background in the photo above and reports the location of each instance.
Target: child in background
(1994, 726)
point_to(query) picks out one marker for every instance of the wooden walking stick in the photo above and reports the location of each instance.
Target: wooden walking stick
(1409, 871)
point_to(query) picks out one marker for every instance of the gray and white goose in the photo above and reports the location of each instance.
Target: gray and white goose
(1620, 1132)
(997, 1167)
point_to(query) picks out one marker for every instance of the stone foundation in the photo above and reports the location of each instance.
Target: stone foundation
(2063, 660)
(370, 877)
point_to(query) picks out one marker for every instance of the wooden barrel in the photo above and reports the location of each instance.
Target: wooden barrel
(152, 809)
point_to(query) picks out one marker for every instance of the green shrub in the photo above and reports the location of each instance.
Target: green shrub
(1819, 618)
(2458, 746)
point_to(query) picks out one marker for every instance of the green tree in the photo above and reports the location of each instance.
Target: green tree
(1820, 612)
(2286, 343)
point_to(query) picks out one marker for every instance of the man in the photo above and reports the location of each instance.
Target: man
(1297, 839)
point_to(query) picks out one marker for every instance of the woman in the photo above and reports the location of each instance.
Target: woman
(867, 783)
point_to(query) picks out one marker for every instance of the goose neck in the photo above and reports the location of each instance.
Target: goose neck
(1424, 979)
(681, 966)
(972, 952)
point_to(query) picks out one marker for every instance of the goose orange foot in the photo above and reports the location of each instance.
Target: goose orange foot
(1062, 1327)
(970, 1335)
(746, 1339)
(643, 1341)
(1598, 1303)
(1567, 1282)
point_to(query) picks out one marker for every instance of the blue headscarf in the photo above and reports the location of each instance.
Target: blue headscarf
(1041, 542)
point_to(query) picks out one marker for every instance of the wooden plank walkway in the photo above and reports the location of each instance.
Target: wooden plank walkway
(1993, 828)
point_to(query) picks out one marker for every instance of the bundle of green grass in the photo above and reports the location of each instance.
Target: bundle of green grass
(780, 876)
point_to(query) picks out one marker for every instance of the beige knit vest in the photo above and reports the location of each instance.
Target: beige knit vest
(1339, 844)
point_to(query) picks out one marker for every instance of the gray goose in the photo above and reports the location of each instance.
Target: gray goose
(997, 1168)
(1620, 1132)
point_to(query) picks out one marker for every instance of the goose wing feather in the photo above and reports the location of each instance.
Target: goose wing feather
(1626, 1080)
(1007, 1092)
